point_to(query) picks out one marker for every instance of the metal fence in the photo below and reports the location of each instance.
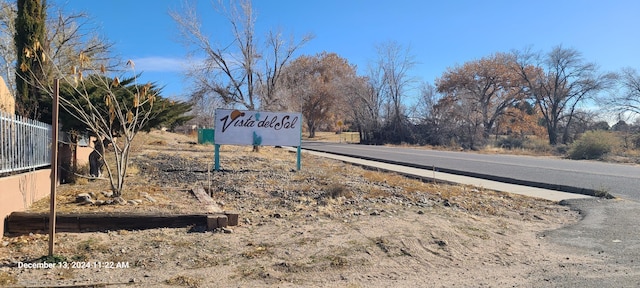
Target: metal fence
(25, 144)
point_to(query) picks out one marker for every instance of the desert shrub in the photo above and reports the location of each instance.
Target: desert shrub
(636, 141)
(336, 190)
(510, 142)
(593, 145)
(540, 145)
(561, 149)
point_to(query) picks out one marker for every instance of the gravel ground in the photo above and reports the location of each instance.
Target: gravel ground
(331, 224)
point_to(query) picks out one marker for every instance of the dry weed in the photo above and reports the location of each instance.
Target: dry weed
(182, 280)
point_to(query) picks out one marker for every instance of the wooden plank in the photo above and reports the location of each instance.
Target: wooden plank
(23, 222)
(204, 198)
(216, 221)
(232, 217)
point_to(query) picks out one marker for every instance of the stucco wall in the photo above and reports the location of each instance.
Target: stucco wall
(18, 192)
(7, 103)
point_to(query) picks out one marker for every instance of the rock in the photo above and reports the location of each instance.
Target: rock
(5, 244)
(93, 194)
(107, 194)
(119, 200)
(375, 213)
(84, 199)
(276, 215)
(227, 230)
(441, 243)
(420, 212)
(132, 202)
(99, 202)
(150, 199)
(247, 221)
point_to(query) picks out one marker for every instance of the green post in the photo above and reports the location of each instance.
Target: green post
(299, 150)
(298, 163)
(216, 157)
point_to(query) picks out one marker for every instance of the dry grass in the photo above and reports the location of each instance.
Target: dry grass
(185, 281)
(344, 137)
(299, 227)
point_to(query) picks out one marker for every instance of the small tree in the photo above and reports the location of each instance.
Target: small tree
(107, 108)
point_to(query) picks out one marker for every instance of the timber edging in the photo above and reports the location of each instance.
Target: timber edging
(29, 222)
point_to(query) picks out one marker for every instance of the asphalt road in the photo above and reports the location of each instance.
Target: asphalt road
(584, 177)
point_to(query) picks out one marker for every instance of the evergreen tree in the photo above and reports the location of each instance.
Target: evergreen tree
(30, 42)
(165, 112)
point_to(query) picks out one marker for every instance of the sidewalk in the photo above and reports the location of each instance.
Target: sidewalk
(551, 195)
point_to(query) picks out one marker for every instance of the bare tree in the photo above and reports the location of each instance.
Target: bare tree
(428, 99)
(232, 71)
(363, 107)
(68, 35)
(111, 111)
(280, 53)
(628, 100)
(395, 62)
(7, 48)
(559, 82)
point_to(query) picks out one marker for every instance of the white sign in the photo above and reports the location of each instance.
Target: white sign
(238, 127)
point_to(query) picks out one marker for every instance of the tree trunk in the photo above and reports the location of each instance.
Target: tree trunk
(553, 136)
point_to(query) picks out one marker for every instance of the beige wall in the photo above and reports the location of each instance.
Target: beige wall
(82, 155)
(7, 103)
(18, 192)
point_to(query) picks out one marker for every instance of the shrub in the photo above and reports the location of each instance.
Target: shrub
(537, 144)
(636, 141)
(593, 145)
(510, 142)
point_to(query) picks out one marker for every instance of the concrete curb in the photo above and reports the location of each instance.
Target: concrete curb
(430, 174)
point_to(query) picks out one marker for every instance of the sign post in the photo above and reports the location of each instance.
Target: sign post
(257, 128)
(217, 156)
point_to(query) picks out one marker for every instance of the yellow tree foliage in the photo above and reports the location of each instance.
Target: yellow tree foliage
(520, 121)
(484, 89)
(317, 85)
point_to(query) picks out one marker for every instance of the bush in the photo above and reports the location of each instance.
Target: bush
(537, 144)
(636, 141)
(510, 142)
(593, 145)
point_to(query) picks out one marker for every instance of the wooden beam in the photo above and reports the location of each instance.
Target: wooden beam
(26, 222)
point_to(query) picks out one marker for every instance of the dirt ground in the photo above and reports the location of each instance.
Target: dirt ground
(330, 224)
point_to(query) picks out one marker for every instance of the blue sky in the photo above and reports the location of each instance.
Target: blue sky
(439, 34)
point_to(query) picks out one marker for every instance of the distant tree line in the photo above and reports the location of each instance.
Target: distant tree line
(503, 98)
